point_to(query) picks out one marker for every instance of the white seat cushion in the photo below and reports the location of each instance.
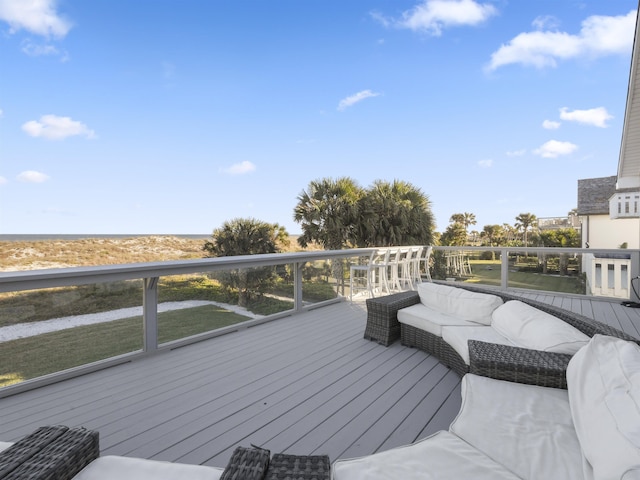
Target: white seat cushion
(458, 338)
(458, 302)
(5, 445)
(526, 428)
(528, 327)
(428, 319)
(604, 392)
(122, 468)
(440, 456)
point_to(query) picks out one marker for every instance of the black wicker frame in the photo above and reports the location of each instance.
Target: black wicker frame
(503, 362)
(253, 463)
(521, 365)
(418, 338)
(299, 467)
(382, 320)
(247, 463)
(51, 452)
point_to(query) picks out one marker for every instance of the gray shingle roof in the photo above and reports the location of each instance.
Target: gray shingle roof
(594, 195)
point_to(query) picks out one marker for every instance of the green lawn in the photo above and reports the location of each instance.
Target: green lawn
(32, 357)
(487, 272)
(37, 305)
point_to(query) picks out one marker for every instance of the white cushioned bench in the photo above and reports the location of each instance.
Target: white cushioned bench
(492, 332)
(510, 430)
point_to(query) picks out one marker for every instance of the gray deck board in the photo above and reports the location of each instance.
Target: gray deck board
(306, 384)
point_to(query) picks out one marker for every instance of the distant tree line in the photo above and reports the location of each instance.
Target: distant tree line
(523, 233)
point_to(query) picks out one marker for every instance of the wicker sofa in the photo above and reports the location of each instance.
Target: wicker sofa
(62, 453)
(508, 430)
(458, 331)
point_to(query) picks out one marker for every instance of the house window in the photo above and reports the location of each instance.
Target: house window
(611, 277)
(624, 206)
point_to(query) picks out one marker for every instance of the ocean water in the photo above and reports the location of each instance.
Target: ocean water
(58, 236)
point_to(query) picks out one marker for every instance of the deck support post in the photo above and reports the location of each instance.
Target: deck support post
(297, 286)
(504, 268)
(150, 314)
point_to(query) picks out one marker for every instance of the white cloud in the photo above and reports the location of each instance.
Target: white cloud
(516, 153)
(485, 163)
(37, 50)
(555, 148)
(432, 16)
(240, 168)
(3, 181)
(53, 127)
(353, 99)
(551, 125)
(32, 176)
(599, 35)
(36, 16)
(545, 22)
(594, 116)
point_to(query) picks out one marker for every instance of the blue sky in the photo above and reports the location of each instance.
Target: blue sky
(173, 116)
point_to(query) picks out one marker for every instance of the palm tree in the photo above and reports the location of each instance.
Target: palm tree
(454, 235)
(328, 212)
(465, 219)
(509, 233)
(468, 219)
(247, 236)
(457, 218)
(395, 213)
(492, 233)
(524, 221)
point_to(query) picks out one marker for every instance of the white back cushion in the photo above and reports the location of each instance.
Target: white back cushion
(526, 428)
(473, 306)
(529, 327)
(604, 393)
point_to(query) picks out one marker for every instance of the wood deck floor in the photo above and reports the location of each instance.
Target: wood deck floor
(306, 384)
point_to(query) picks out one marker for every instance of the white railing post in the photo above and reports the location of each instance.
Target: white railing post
(297, 286)
(504, 268)
(150, 314)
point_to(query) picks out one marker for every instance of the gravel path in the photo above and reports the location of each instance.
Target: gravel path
(30, 329)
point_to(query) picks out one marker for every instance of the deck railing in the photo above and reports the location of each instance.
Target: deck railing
(604, 273)
(18, 298)
(502, 267)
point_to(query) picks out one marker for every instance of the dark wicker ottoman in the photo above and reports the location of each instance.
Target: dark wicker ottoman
(382, 316)
(52, 452)
(247, 463)
(295, 467)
